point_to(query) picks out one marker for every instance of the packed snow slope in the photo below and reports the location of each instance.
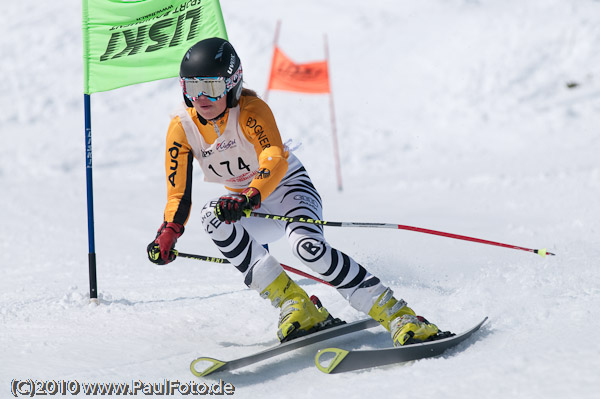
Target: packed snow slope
(473, 117)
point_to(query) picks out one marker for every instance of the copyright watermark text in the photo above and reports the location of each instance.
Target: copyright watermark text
(31, 388)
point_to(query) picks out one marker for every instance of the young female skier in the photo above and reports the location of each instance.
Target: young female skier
(234, 137)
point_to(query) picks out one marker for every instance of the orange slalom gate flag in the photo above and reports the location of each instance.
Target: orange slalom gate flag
(312, 77)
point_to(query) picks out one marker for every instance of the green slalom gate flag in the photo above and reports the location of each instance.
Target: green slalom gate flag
(133, 41)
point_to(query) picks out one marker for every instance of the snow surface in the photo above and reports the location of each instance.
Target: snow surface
(452, 115)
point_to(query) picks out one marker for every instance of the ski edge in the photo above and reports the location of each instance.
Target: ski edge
(340, 354)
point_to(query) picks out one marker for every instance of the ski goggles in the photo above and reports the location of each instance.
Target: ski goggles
(213, 88)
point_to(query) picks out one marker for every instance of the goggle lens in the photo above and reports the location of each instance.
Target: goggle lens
(213, 88)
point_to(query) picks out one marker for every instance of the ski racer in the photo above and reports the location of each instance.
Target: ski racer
(233, 135)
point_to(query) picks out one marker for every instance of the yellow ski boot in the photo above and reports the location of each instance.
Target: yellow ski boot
(298, 315)
(401, 321)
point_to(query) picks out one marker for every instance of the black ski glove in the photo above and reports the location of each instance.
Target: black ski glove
(231, 207)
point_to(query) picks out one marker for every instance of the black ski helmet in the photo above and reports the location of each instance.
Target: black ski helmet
(214, 57)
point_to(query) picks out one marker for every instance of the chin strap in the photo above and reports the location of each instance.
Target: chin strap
(214, 120)
(201, 119)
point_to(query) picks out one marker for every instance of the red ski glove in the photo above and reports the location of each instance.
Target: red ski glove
(230, 208)
(159, 250)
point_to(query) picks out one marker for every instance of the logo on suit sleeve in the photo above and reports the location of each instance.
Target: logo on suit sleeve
(263, 173)
(173, 153)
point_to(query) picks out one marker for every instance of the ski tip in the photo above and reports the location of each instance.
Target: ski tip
(213, 365)
(328, 365)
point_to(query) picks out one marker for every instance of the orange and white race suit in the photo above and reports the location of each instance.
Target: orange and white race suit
(243, 149)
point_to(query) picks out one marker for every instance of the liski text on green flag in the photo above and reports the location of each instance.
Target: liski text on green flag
(133, 41)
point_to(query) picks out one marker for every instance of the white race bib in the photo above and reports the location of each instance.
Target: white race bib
(231, 160)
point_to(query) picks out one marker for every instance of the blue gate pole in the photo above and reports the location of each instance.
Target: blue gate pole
(90, 200)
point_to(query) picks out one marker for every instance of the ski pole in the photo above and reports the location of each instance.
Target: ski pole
(223, 260)
(542, 252)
